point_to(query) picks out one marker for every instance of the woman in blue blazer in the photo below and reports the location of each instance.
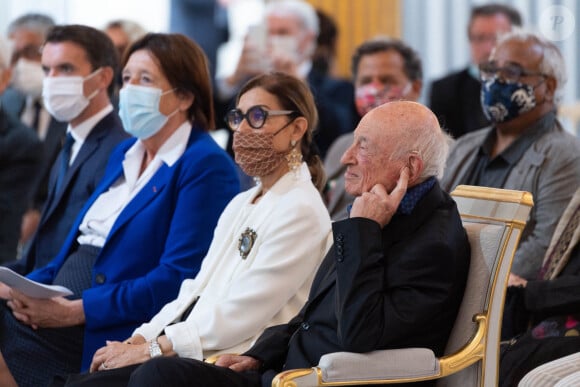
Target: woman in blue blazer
(145, 229)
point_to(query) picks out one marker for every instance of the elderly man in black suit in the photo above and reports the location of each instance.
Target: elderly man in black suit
(394, 278)
(455, 99)
(83, 59)
(20, 159)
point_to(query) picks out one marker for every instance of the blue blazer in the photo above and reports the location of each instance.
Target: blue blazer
(158, 240)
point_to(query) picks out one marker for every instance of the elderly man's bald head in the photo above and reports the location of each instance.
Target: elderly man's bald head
(390, 137)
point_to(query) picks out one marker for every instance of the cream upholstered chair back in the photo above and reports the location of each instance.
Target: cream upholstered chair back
(493, 219)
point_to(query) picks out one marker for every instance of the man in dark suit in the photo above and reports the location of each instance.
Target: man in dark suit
(84, 57)
(394, 278)
(455, 99)
(288, 45)
(23, 100)
(20, 158)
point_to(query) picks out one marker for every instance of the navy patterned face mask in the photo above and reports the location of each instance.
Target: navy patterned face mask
(503, 101)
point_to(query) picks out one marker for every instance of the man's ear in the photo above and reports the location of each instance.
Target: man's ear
(106, 76)
(415, 93)
(415, 165)
(551, 85)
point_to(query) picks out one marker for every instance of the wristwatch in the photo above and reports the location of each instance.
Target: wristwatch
(154, 349)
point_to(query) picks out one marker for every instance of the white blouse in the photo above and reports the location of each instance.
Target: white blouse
(99, 219)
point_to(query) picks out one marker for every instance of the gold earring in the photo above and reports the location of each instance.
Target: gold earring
(294, 159)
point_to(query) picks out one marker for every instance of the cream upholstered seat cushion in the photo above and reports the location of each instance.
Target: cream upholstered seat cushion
(408, 362)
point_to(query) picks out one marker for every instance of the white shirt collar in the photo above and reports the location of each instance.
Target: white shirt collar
(82, 130)
(170, 151)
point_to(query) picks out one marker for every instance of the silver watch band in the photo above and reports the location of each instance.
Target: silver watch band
(154, 349)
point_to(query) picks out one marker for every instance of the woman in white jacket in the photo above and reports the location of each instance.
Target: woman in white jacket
(266, 248)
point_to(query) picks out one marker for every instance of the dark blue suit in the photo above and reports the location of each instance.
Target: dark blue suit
(20, 158)
(80, 181)
(158, 240)
(13, 103)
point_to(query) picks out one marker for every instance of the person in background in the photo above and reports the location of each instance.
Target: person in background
(287, 44)
(20, 160)
(123, 33)
(80, 64)
(324, 57)
(390, 273)
(550, 304)
(455, 98)
(203, 21)
(383, 70)
(23, 100)
(144, 230)
(525, 148)
(267, 246)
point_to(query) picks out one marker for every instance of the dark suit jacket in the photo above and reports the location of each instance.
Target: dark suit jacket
(20, 158)
(62, 207)
(377, 289)
(455, 100)
(13, 102)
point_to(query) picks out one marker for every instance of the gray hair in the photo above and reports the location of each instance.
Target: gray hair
(133, 30)
(304, 12)
(430, 144)
(552, 60)
(36, 22)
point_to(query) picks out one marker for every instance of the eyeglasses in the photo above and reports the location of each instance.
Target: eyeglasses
(510, 73)
(255, 116)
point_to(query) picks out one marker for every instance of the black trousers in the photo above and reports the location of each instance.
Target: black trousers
(528, 353)
(168, 371)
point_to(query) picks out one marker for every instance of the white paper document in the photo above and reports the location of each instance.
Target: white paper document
(29, 287)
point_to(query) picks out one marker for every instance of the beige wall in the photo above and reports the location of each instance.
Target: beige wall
(359, 20)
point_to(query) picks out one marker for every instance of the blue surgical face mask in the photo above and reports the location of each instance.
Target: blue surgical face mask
(503, 101)
(139, 110)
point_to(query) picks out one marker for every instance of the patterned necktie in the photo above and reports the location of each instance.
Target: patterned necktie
(37, 108)
(559, 251)
(65, 154)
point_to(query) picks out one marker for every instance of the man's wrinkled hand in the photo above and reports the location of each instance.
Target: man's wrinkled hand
(238, 363)
(377, 204)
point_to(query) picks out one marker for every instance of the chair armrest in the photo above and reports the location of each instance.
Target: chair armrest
(383, 364)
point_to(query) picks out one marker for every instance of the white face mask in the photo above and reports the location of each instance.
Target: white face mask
(27, 76)
(284, 47)
(139, 110)
(64, 97)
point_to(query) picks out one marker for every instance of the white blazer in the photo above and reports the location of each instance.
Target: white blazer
(239, 298)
